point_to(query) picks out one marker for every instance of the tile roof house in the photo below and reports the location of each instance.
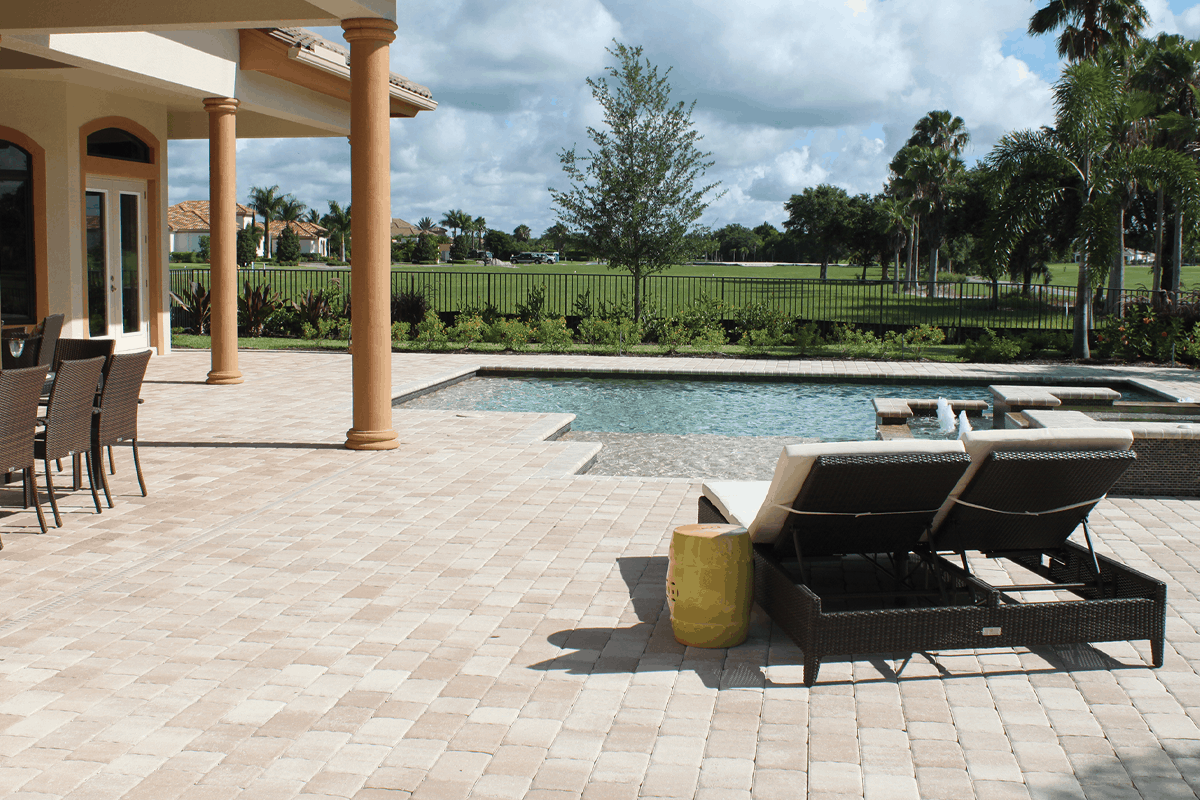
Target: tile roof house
(407, 230)
(189, 220)
(313, 237)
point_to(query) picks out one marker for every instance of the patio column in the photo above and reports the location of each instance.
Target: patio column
(222, 243)
(371, 263)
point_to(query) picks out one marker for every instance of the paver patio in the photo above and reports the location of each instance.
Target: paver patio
(463, 617)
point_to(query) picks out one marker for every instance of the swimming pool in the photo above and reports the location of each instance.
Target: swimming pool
(818, 410)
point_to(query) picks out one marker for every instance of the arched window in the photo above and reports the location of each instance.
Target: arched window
(18, 284)
(119, 144)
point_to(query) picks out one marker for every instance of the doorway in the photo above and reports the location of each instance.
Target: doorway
(117, 280)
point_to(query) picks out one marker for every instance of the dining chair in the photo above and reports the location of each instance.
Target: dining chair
(19, 390)
(51, 329)
(116, 417)
(68, 421)
(78, 349)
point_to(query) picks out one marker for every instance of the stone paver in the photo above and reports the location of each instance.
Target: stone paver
(464, 617)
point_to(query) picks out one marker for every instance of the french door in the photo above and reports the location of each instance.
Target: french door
(117, 279)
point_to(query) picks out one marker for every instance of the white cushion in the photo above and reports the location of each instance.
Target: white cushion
(982, 442)
(796, 461)
(738, 501)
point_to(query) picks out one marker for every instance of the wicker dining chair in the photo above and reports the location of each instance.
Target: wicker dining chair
(79, 349)
(19, 390)
(69, 421)
(51, 329)
(116, 421)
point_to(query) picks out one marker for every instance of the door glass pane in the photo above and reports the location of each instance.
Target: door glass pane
(96, 261)
(131, 317)
(17, 283)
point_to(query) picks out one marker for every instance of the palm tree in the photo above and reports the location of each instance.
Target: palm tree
(338, 222)
(1167, 71)
(480, 225)
(1077, 170)
(424, 223)
(455, 219)
(522, 233)
(895, 219)
(941, 131)
(291, 210)
(314, 217)
(1088, 26)
(266, 202)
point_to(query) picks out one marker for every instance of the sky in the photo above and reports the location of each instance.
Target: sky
(788, 93)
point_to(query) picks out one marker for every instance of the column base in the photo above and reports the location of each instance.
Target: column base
(371, 440)
(224, 378)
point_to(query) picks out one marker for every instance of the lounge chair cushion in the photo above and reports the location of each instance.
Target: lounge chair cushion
(979, 444)
(738, 501)
(767, 518)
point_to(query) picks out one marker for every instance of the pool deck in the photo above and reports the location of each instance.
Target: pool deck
(465, 617)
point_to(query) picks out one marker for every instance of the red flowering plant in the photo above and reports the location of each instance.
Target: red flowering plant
(1168, 330)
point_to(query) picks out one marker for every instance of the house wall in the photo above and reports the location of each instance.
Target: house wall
(51, 113)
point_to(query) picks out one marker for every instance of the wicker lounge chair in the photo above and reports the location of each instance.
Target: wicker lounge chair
(1020, 505)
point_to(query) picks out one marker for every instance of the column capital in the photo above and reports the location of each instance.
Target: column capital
(217, 105)
(368, 29)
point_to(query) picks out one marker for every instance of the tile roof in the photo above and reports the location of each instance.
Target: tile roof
(303, 229)
(193, 215)
(307, 40)
(402, 228)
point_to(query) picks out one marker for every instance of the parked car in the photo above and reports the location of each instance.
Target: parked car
(550, 258)
(480, 255)
(527, 258)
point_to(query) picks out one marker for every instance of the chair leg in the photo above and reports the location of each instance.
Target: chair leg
(137, 462)
(53, 499)
(87, 460)
(31, 482)
(112, 465)
(104, 484)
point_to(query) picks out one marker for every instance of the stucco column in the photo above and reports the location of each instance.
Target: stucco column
(371, 262)
(222, 240)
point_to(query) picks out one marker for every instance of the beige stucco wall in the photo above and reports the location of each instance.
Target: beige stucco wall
(51, 112)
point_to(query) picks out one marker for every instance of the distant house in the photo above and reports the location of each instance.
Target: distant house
(188, 221)
(406, 230)
(313, 237)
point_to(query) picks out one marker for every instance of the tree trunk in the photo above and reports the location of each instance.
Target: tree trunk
(1158, 243)
(637, 296)
(896, 270)
(1176, 251)
(824, 265)
(1083, 303)
(931, 283)
(1116, 278)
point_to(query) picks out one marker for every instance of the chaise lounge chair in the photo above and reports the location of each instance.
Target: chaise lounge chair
(1011, 494)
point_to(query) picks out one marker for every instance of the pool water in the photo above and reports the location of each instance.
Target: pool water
(826, 411)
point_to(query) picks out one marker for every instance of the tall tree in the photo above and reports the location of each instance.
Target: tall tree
(941, 131)
(820, 213)
(1089, 26)
(635, 196)
(291, 210)
(425, 224)
(455, 220)
(522, 233)
(338, 223)
(479, 228)
(266, 203)
(558, 234)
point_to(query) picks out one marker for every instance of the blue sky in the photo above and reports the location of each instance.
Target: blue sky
(789, 94)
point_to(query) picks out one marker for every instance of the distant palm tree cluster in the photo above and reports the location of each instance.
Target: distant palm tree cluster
(272, 205)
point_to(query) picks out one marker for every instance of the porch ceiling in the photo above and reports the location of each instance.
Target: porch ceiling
(62, 16)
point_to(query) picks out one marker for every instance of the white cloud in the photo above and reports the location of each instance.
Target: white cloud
(789, 93)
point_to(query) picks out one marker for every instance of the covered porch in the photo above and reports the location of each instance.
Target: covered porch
(93, 93)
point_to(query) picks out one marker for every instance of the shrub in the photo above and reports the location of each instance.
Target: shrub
(553, 334)
(594, 330)
(922, 336)
(247, 245)
(703, 314)
(673, 335)
(709, 340)
(458, 249)
(534, 307)
(325, 329)
(255, 307)
(287, 246)
(312, 307)
(197, 302)
(399, 331)
(431, 330)
(806, 336)
(485, 311)
(511, 333)
(852, 342)
(204, 253)
(411, 306)
(990, 347)
(344, 329)
(1160, 334)
(425, 251)
(760, 323)
(468, 329)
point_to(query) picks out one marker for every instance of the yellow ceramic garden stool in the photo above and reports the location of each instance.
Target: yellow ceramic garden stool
(710, 585)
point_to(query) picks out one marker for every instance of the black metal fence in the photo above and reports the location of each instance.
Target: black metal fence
(952, 305)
